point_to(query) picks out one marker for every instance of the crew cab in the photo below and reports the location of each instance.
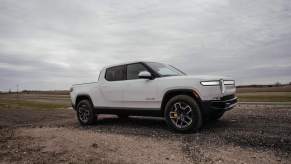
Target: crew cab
(154, 89)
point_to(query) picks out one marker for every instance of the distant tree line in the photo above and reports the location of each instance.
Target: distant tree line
(277, 84)
(54, 92)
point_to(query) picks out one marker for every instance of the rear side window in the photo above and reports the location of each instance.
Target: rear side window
(133, 70)
(115, 73)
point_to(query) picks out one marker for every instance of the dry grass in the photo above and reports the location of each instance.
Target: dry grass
(264, 89)
(34, 101)
(265, 94)
(265, 97)
(6, 103)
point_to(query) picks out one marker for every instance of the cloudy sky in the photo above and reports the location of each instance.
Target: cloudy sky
(52, 44)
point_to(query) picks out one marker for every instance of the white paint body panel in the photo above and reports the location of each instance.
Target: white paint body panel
(144, 93)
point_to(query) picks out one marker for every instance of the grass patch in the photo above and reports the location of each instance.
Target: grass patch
(12, 103)
(265, 97)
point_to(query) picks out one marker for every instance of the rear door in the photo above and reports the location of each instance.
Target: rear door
(112, 87)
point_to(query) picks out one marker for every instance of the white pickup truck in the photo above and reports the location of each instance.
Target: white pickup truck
(154, 89)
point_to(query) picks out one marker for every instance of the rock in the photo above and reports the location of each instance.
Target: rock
(94, 145)
(282, 140)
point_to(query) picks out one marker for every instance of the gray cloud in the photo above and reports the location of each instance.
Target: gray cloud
(53, 44)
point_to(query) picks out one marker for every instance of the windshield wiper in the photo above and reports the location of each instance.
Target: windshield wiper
(168, 75)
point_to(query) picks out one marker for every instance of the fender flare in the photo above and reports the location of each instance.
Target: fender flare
(82, 97)
(172, 92)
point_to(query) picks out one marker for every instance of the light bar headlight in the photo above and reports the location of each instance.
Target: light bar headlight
(216, 82)
(228, 82)
(209, 83)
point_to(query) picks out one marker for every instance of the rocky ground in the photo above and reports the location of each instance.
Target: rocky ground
(249, 133)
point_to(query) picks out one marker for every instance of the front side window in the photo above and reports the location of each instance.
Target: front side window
(116, 73)
(165, 70)
(133, 70)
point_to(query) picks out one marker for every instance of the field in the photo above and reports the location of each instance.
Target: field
(42, 128)
(265, 94)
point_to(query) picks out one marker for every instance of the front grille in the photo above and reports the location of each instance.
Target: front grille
(218, 104)
(228, 97)
(222, 104)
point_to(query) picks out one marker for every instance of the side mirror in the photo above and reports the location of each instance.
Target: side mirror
(145, 75)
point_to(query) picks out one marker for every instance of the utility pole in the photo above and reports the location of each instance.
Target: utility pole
(17, 88)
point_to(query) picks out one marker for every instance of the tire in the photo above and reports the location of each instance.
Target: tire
(85, 113)
(182, 114)
(215, 116)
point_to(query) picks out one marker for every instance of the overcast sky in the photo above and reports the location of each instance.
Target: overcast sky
(53, 44)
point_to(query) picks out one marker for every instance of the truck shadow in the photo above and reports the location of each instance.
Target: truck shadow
(132, 122)
(152, 122)
(140, 124)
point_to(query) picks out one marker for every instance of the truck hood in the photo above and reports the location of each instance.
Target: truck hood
(199, 77)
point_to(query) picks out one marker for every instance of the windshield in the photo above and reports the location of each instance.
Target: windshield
(164, 69)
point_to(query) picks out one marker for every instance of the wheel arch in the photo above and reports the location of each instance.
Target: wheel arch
(174, 92)
(82, 97)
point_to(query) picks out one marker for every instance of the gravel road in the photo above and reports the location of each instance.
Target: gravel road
(249, 133)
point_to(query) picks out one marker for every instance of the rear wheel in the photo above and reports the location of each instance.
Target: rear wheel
(85, 113)
(182, 114)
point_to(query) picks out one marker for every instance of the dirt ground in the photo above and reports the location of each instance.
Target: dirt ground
(250, 133)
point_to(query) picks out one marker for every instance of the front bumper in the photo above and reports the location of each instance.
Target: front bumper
(218, 106)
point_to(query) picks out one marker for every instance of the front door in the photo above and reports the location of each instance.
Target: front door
(139, 93)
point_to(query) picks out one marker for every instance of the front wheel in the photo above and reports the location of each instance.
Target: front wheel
(85, 113)
(183, 114)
